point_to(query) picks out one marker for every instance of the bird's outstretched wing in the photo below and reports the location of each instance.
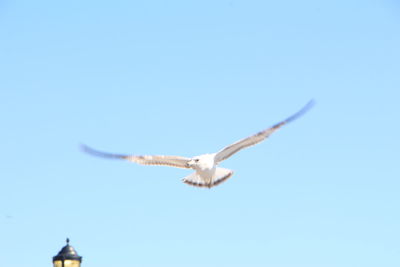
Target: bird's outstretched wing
(257, 138)
(173, 161)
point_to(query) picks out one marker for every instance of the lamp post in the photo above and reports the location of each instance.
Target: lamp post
(67, 257)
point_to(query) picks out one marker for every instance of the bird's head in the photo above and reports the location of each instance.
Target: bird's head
(193, 162)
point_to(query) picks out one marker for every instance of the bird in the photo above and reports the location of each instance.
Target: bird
(207, 172)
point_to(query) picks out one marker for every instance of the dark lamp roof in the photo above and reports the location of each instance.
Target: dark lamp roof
(67, 253)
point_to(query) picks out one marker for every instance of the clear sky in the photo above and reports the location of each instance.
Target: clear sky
(187, 78)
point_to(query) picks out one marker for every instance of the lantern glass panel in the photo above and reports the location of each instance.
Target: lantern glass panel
(72, 263)
(67, 263)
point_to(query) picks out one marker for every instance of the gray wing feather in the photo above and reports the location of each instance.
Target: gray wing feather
(173, 161)
(258, 137)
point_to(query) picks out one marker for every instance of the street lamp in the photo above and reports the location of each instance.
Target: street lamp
(67, 257)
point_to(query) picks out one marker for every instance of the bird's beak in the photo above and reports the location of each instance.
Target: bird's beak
(189, 164)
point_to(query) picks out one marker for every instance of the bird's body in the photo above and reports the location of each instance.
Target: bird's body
(207, 173)
(205, 166)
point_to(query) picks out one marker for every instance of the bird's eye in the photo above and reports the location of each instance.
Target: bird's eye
(196, 160)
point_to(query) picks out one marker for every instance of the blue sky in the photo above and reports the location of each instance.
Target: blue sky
(187, 78)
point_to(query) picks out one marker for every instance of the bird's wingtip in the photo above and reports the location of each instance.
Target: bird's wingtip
(86, 148)
(97, 153)
(302, 111)
(310, 103)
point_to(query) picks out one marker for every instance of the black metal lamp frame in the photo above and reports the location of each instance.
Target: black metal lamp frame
(67, 253)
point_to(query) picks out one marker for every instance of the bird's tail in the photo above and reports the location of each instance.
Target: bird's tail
(220, 176)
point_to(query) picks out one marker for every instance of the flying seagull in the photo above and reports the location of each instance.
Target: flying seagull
(207, 173)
